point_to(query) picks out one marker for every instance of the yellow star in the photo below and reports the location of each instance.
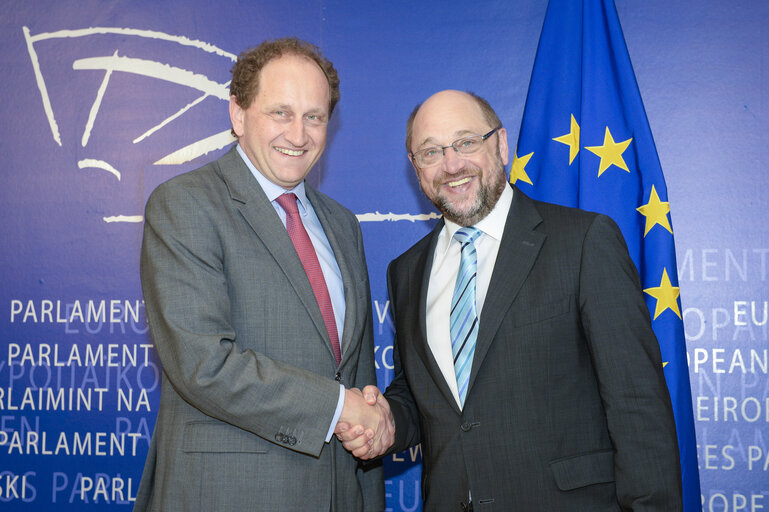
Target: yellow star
(666, 295)
(518, 169)
(656, 212)
(571, 139)
(610, 152)
(664, 363)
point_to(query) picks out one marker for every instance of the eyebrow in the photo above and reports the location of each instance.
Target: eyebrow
(281, 106)
(430, 141)
(318, 110)
(286, 106)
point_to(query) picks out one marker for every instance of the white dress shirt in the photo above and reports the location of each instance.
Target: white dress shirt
(443, 277)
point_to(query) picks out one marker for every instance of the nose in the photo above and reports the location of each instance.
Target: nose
(452, 162)
(296, 134)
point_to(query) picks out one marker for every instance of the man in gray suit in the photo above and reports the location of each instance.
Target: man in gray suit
(258, 301)
(525, 362)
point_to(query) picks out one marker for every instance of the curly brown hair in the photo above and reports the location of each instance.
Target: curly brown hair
(245, 72)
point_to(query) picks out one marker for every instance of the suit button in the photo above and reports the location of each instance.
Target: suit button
(466, 426)
(279, 437)
(292, 440)
(338, 377)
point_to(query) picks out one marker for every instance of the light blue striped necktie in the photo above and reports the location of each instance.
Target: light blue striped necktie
(463, 317)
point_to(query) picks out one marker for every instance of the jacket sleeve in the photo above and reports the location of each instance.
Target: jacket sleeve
(628, 367)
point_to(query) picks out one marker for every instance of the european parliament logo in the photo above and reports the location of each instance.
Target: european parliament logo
(135, 98)
(138, 99)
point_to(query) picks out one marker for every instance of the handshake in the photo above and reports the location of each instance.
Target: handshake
(366, 427)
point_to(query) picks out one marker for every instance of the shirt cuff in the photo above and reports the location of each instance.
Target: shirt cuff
(337, 413)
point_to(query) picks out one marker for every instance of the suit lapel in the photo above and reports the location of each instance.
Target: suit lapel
(420, 277)
(518, 251)
(257, 210)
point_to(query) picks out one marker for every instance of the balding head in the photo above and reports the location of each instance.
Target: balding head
(459, 151)
(451, 97)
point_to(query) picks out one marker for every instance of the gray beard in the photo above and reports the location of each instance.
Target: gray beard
(487, 198)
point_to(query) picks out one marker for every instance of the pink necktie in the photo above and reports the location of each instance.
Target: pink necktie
(309, 259)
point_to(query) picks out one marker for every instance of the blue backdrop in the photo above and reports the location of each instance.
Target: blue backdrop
(104, 100)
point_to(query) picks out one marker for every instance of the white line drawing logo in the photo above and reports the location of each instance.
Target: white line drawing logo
(117, 63)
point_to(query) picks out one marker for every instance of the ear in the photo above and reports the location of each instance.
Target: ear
(236, 116)
(411, 160)
(416, 169)
(504, 151)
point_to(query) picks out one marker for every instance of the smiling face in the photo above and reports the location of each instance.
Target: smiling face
(283, 131)
(464, 188)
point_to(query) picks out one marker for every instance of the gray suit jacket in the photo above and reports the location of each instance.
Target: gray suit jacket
(250, 383)
(567, 408)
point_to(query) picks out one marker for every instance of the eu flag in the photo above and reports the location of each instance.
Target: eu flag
(585, 142)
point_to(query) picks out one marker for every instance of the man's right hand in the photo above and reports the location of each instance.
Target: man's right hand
(366, 427)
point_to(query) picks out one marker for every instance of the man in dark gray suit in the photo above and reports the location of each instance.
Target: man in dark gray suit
(525, 362)
(258, 301)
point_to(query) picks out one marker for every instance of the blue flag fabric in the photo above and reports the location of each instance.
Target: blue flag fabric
(585, 142)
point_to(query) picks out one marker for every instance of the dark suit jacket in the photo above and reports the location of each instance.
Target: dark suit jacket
(249, 389)
(567, 408)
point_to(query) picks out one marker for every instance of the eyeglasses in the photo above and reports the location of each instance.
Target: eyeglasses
(433, 155)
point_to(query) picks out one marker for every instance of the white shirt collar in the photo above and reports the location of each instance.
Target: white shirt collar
(492, 224)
